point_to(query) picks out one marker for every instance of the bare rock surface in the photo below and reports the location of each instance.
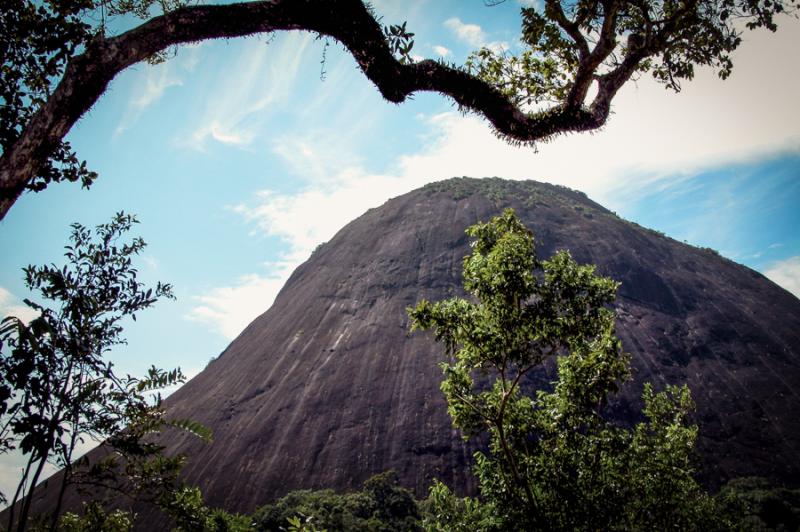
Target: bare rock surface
(328, 387)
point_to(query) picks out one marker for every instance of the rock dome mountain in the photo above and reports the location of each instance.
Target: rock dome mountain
(328, 387)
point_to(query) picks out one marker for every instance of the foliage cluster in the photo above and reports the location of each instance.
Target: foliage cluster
(382, 505)
(400, 40)
(184, 505)
(554, 461)
(190, 514)
(529, 193)
(754, 504)
(566, 40)
(95, 519)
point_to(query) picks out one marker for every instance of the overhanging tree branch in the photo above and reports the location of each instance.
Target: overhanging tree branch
(348, 21)
(559, 66)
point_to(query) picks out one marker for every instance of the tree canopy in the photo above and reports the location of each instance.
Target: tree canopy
(554, 461)
(59, 56)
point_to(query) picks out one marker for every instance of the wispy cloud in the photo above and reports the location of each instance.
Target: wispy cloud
(151, 262)
(318, 155)
(224, 134)
(786, 273)
(149, 89)
(237, 105)
(156, 83)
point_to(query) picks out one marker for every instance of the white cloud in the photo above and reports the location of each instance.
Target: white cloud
(303, 221)
(229, 309)
(471, 34)
(314, 215)
(786, 273)
(498, 47)
(652, 134)
(441, 51)
(317, 155)
(10, 305)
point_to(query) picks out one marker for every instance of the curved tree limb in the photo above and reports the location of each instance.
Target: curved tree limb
(571, 28)
(348, 21)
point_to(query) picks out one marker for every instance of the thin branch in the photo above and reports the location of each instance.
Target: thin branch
(572, 29)
(476, 408)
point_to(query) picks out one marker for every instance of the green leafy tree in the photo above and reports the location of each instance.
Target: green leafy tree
(96, 519)
(554, 461)
(296, 524)
(442, 511)
(56, 386)
(754, 504)
(58, 58)
(381, 505)
(190, 513)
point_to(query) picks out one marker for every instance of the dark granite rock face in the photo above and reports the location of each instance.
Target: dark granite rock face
(328, 387)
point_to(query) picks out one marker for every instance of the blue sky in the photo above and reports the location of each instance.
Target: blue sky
(239, 160)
